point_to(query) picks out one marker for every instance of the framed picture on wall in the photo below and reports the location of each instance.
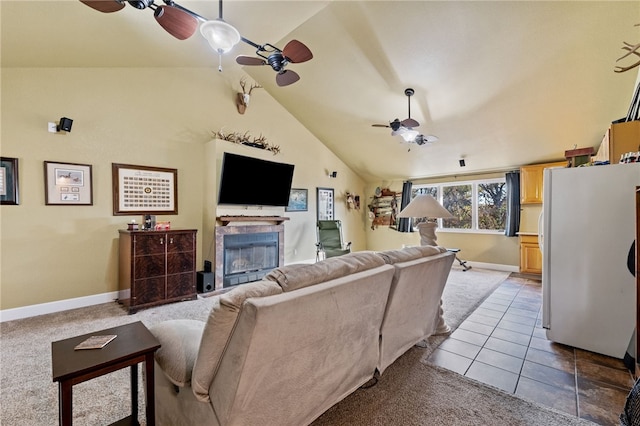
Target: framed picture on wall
(298, 200)
(325, 203)
(144, 190)
(67, 184)
(9, 181)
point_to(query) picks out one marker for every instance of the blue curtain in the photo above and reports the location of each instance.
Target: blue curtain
(404, 223)
(513, 204)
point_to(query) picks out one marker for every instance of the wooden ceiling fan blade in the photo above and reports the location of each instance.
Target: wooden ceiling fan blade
(250, 60)
(287, 77)
(297, 52)
(176, 22)
(381, 125)
(105, 6)
(410, 122)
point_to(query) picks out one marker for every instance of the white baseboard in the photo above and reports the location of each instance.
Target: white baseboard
(492, 266)
(302, 261)
(96, 299)
(57, 306)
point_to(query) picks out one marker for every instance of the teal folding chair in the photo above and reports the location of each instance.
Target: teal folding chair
(330, 242)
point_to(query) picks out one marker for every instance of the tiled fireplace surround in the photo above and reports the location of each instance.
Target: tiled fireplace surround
(229, 227)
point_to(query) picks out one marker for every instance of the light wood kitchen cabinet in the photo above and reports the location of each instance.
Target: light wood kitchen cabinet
(156, 267)
(531, 178)
(619, 139)
(530, 255)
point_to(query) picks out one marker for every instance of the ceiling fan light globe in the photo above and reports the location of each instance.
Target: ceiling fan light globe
(409, 135)
(220, 35)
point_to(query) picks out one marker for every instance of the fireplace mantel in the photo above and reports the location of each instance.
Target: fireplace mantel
(225, 220)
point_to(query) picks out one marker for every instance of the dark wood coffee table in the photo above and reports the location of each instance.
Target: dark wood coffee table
(134, 344)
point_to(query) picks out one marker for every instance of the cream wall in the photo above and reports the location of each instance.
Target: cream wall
(153, 117)
(165, 118)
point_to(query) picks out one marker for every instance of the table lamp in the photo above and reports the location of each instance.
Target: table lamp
(428, 207)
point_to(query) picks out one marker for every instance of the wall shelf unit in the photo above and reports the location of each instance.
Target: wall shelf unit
(383, 208)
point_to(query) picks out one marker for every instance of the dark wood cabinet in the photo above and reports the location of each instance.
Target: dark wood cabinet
(156, 267)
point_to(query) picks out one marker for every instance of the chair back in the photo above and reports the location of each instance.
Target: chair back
(330, 234)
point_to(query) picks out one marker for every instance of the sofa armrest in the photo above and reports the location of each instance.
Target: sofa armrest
(180, 342)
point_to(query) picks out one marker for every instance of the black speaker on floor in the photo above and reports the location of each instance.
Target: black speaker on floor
(204, 282)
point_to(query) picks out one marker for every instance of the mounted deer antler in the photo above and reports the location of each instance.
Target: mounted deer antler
(242, 101)
(631, 49)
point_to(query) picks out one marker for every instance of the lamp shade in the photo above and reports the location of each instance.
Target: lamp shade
(220, 35)
(424, 206)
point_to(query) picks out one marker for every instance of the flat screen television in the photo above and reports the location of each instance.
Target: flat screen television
(254, 182)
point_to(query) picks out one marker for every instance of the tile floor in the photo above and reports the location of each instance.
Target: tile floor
(503, 344)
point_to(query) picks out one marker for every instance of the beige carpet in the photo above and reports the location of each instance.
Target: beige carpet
(409, 393)
(412, 392)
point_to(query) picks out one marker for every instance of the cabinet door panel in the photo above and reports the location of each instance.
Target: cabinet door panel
(149, 244)
(530, 259)
(180, 262)
(181, 285)
(531, 184)
(147, 291)
(180, 242)
(149, 266)
(623, 137)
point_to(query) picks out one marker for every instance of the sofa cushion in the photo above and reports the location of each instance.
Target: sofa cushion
(218, 330)
(293, 277)
(410, 253)
(180, 340)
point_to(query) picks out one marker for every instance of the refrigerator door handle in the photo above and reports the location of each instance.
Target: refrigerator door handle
(543, 227)
(540, 232)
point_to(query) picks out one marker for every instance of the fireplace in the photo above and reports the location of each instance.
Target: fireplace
(246, 253)
(248, 257)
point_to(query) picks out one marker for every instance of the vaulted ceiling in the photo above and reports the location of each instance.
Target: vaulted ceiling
(500, 83)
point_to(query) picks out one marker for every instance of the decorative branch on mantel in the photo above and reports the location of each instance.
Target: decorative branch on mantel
(248, 140)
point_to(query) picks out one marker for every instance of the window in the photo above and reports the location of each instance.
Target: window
(492, 206)
(458, 199)
(478, 206)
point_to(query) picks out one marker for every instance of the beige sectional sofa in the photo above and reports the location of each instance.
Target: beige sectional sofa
(283, 350)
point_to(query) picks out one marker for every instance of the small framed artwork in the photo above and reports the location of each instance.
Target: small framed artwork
(67, 184)
(325, 203)
(144, 190)
(9, 181)
(298, 200)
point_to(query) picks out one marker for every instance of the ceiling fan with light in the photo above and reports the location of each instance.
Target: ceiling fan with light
(182, 23)
(405, 128)
(293, 52)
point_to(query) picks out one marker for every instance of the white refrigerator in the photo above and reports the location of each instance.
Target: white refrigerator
(588, 228)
